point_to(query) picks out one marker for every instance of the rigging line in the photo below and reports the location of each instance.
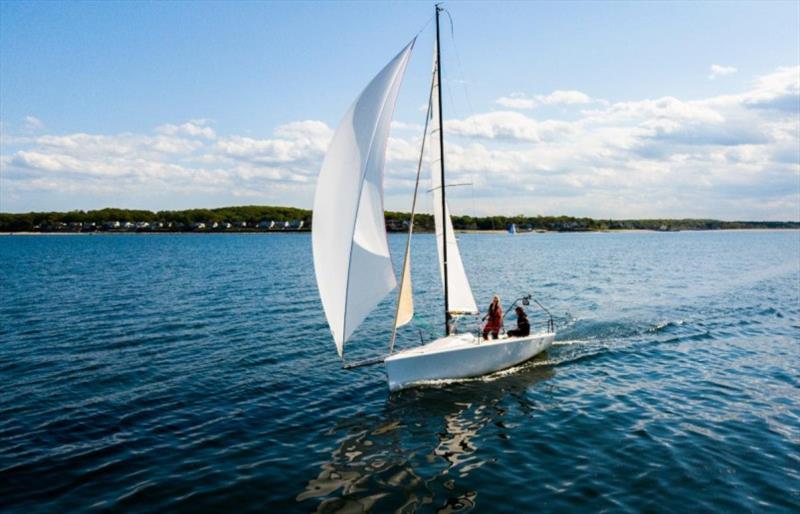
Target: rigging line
(413, 213)
(449, 18)
(466, 96)
(449, 185)
(460, 67)
(463, 140)
(454, 105)
(425, 26)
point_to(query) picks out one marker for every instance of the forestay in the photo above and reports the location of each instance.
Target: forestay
(460, 299)
(351, 252)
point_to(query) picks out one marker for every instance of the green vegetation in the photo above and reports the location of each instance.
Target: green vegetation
(180, 220)
(252, 215)
(424, 222)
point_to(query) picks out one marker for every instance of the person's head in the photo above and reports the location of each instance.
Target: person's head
(496, 300)
(520, 311)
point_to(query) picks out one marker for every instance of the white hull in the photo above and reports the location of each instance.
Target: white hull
(461, 356)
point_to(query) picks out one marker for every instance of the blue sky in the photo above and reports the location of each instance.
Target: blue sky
(634, 109)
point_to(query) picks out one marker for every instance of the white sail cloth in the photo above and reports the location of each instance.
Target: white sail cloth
(351, 253)
(460, 298)
(405, 300)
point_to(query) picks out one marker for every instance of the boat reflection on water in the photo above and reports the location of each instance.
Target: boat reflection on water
(415, 455)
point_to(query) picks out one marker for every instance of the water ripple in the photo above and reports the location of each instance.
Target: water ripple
(186, 374)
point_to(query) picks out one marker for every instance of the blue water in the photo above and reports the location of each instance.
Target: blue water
(161, 373)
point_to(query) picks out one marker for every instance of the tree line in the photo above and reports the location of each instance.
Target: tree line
(251, 214)
(396, 221)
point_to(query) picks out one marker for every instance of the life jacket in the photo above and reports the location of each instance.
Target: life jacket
(495, 319)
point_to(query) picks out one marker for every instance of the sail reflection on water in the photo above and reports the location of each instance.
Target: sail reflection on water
(419, 454)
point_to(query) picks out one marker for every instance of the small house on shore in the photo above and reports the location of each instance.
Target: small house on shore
(393, 225)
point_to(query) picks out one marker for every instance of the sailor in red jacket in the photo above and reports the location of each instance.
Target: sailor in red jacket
(494, 319)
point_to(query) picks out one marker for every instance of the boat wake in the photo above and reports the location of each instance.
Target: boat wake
(597, 339)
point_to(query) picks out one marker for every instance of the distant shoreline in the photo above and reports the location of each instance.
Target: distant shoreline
(275, 219)
(458, 231)
(152, 233)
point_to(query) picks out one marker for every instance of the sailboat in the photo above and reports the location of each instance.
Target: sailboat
(352, 262)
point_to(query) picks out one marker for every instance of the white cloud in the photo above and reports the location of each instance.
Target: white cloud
(779, 90)
(718, 70)
(400, 125)
(654, 157)
(566, 97)
(517, 101)
(309, 130)
(728, 156)
(194, 128)
(297, 142)
(507, 125)
(558, 97)
(178, 160)
(32, 124)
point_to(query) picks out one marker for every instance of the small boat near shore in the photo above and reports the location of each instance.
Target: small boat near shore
(352, 262)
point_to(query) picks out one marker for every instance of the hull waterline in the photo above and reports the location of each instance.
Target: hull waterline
(461, 356)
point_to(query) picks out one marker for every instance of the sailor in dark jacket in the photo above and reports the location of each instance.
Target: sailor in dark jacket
(523, 327)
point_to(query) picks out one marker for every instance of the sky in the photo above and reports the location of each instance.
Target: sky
(602, 109)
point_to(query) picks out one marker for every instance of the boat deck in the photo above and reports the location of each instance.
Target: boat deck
(455, 342)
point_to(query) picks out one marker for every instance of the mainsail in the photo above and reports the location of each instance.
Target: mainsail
(460, 299)
(351, 252)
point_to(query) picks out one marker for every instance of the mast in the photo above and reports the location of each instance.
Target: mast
(441, 167)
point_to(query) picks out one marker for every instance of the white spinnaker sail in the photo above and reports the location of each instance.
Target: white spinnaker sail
(351, 252)
(460, 299)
